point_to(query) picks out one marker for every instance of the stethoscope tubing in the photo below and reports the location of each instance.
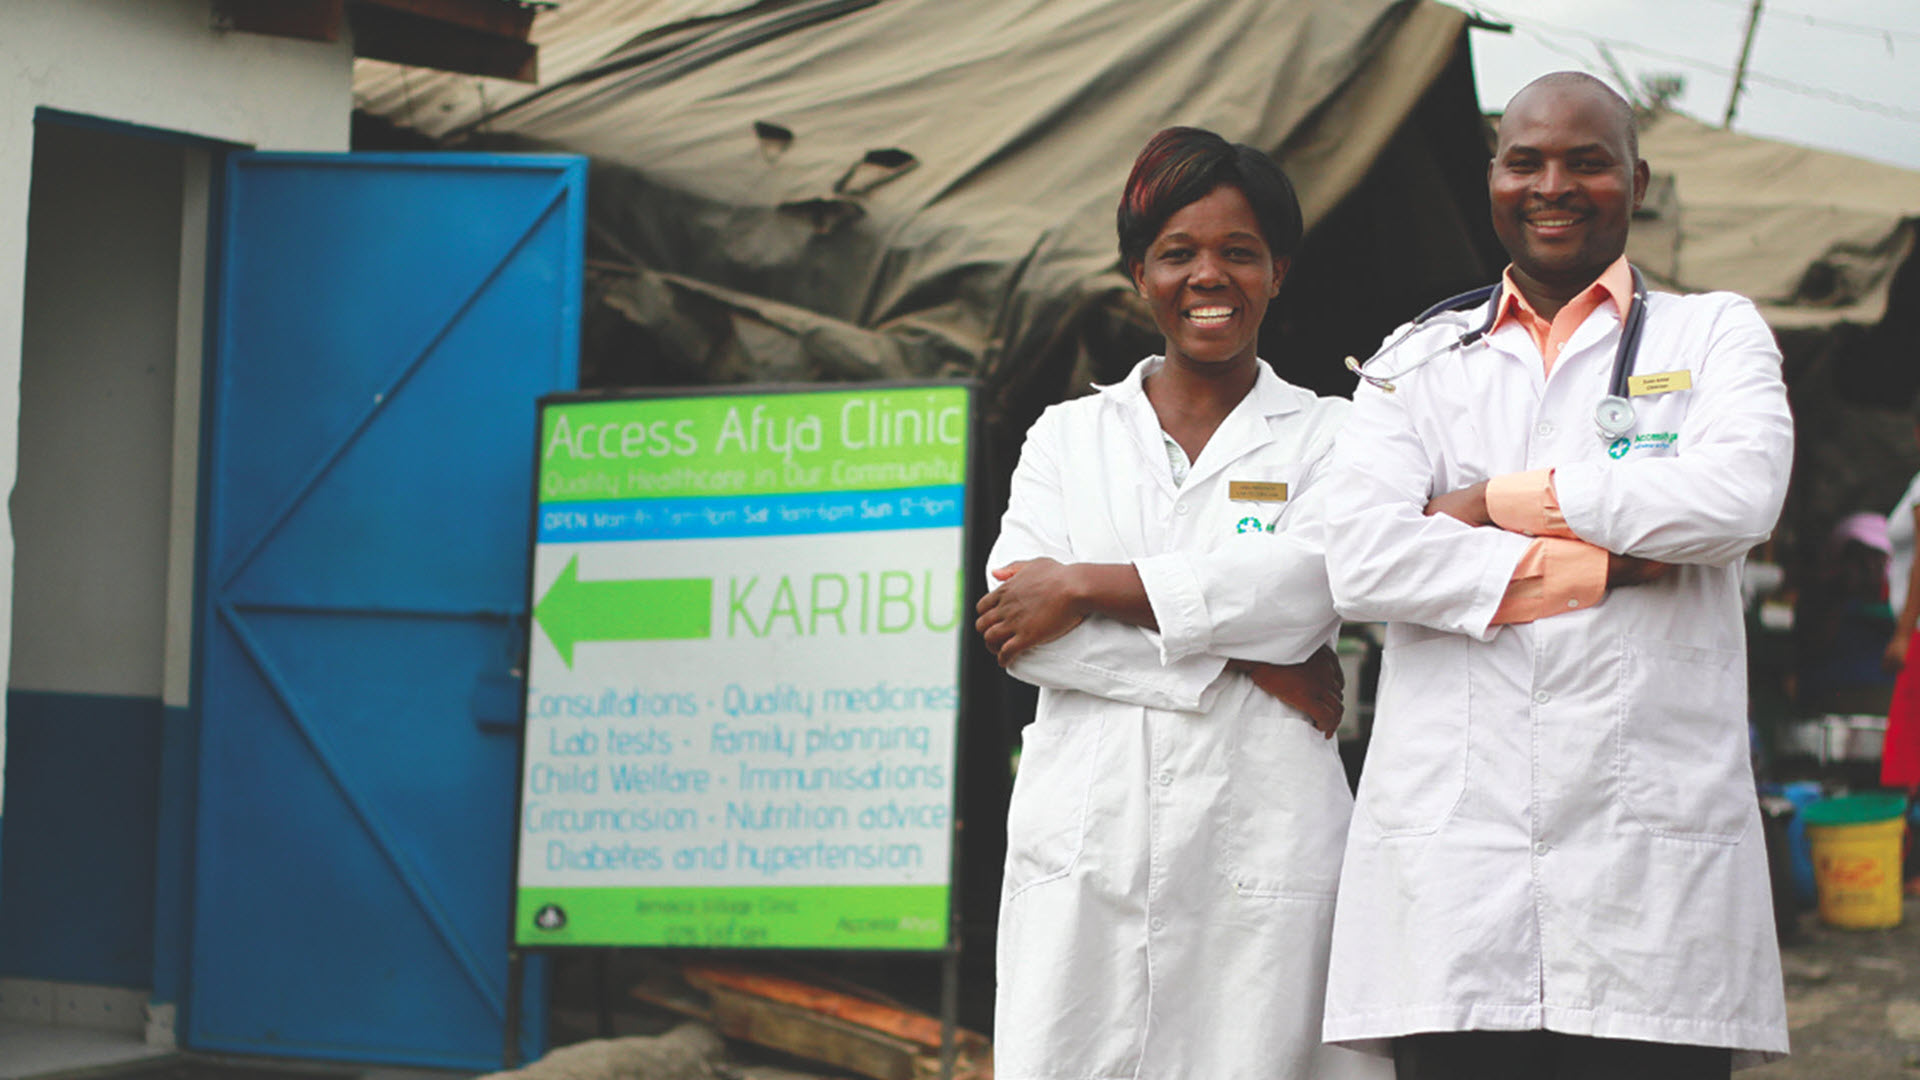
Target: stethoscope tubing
(1614, 416)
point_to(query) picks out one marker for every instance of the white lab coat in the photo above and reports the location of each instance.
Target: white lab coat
(1175, 833)
(1557, 824)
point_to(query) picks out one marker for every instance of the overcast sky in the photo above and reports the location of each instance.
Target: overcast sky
(1851, 89)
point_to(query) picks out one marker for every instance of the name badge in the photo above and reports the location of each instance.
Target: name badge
(1256, 491)
(1659, 383)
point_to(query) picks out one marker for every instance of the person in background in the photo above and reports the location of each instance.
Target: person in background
(1900, 754)
(1840, 628)
(1556, 869)
(1174, 835)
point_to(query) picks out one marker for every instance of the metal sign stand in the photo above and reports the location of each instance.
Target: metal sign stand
(660, 604)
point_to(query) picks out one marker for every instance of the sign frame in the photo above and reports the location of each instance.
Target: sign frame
(973, 428)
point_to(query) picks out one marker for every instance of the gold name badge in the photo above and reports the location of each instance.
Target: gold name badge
(1256, 491)
(1659, 383)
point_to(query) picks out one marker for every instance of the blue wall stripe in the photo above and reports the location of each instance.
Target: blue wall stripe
(77, 878)
(173, 847)
(938, 506)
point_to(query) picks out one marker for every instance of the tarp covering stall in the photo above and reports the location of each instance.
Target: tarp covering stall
(1814, 238)
(851, 189)
(1824, 243)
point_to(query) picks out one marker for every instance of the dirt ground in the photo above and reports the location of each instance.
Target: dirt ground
(1853, 1003)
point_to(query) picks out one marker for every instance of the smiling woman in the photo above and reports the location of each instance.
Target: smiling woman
(1207, 233)
(1176, 798)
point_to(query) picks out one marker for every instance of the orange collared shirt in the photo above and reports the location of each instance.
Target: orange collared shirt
(1551, 335)
(1559, 572)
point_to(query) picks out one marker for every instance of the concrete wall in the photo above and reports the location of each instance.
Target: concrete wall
(160, 64)
(92, 526)
(100, 362)
(91, 498)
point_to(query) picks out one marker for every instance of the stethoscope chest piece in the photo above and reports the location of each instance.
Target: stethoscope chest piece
(1614, 416)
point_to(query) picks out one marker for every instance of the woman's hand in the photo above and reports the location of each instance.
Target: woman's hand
(1312, 686)
(1469, 504)
(1895, 657)
(1037, 600)
(1625, 570)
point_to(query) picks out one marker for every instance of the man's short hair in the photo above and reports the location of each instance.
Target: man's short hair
(1621, 107)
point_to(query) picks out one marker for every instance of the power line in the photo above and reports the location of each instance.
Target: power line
(1835, 96)
(1886, 34)
(1864, 104)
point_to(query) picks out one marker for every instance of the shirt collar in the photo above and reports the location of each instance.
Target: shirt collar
(1271, 395)
(1616, 282)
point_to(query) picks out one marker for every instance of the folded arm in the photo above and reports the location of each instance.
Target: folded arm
(1055, 644)
(1394, 562)
(1720, 494)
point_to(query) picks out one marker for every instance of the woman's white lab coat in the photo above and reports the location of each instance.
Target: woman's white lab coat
(1175, 833)
(1557, 825)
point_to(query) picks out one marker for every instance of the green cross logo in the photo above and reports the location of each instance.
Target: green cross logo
(1619, 447)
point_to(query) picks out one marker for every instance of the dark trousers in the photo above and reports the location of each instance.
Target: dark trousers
(1549, 1055)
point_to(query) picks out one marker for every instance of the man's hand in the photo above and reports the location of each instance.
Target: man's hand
(1312, 686)
(1469, 504)
(1037, 600)
(1895, 657)
(1624, 570)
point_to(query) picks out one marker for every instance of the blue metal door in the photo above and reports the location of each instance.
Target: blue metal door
(385, 324)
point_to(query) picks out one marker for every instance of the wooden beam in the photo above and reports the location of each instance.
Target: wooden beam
(498, 18)
(383, 32)
(307, 20)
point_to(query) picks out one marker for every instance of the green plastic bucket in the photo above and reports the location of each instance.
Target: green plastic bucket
(1856, 858)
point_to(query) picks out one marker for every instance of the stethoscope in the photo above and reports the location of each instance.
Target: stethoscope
(1613, 416)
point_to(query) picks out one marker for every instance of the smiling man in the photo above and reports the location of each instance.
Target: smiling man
(1555, 867)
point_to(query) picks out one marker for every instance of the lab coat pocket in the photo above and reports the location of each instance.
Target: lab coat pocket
(1680, 754)
(1416, 770)
(1287, 805)
(1046, 819)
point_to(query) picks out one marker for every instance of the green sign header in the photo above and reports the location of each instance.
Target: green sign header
(762, 444)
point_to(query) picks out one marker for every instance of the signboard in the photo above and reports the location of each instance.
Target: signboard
(743, 677)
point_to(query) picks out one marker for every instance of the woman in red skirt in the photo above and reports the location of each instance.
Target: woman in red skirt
(1900, 759)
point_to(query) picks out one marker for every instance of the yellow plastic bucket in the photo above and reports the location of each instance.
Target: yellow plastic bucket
(1856, 859)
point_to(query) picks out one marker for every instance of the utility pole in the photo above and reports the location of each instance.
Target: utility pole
(1740, 69)
(1627, 87)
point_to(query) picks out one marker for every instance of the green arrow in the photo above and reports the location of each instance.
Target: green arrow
(649, 609)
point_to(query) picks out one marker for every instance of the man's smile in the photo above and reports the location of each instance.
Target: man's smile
(1553, 221)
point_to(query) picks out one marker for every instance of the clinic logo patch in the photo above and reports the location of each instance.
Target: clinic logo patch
(1251, 524)
(550, 917)
(1652, 440)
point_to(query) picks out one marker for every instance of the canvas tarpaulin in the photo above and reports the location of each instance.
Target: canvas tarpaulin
(1814, 238)
(844, 189)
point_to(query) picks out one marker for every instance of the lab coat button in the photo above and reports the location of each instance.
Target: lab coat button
(1157, 923)
(1540, 848)
(1181, 509)
(1541, 697)
(1166, 779)
(1545, 428)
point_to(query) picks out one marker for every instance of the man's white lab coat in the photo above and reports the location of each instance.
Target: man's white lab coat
(1557, 825)
(1175, 833)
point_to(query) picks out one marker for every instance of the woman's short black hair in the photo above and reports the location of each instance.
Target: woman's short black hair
(1182, 165)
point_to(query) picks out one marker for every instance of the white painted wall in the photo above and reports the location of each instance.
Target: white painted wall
(92, 498)
(161, 64)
